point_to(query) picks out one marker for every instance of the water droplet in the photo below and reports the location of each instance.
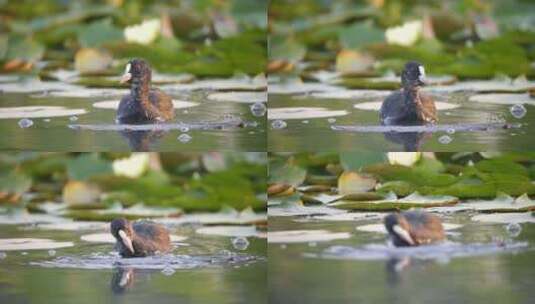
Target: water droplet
(24, 253)
(25, 123)
(240, 243)
(184, 129)
(278, 124)
(73, 118)
(168, 270)
(331, 120)
(518, 111)
(258, 109)
(312, 244)
(184, 138)
(450, 131)
(52, 252)
(185, 111)
(305, 121)
(444, 139)
(3, 255)
(46, 120)
(513, 229)
(283, 246)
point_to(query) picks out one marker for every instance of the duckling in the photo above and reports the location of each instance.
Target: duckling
(144, 104)
(413, 228)
(140, 238)
(409, 105)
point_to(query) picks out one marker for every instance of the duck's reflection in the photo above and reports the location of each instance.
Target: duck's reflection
(411, 141)
(394, 269)
(122, 280)
(142, 140)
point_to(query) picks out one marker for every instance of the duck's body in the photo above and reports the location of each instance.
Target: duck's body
(409, 105)
(144, 104)
(140, 239)
(414, 228)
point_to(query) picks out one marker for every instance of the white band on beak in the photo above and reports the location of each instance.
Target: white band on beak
(125, 77)
(421, 77)
(403, 234)
(126, 240)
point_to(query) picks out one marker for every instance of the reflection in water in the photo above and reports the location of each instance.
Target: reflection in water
(142, 140)
(394, 269)
(410, 141)
(122, 280)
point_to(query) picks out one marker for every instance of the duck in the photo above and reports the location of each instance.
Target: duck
(414, 228)
(409, 106)
(139, 239)
(143, 104)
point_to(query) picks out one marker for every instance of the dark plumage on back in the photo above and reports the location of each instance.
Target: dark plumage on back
(409, 105)
(140, 238)
(144, 104)
(413, 228)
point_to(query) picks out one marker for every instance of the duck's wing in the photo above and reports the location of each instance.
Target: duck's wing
(428, 108)
(151, 236)
(163, 102)
(425, 228)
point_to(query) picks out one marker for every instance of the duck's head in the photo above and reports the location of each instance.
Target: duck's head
(398, 228)
(123, 232)
(136, 69)
(413, 75)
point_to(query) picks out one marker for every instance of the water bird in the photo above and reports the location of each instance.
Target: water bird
(409, 106)
(414, 228)
(139, 239)
(143, 104)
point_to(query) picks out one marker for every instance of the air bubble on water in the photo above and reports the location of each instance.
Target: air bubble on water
(184, 138)
(312, 244)
(52, 252)
(331, 120)
(168, 270)
(518, 111)
(240, 243)
(25, 123)
(258, 109)
(513, 229)
(283, 246)
(185, 111)
(46, 120)
(278, 124)
(3, 255)
(304, 121)
(24, 253)
(73, 118)
(444, 139)
(450, 131)
(184, 129)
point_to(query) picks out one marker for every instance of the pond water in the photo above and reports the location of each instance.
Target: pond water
(54, 134)
(301, 133)
(201, 269)
(483, 263)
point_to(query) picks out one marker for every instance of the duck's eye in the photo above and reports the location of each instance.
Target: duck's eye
(127, 69)
(422, 73)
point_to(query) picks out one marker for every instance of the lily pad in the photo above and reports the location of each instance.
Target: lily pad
(305, 236)
(291, 88)
(245, 217)
(38, 111)
(414, 200)
(376, 105)
(31, 244)
(303, 113)
(27, 218)
(505, 218)
(505, 99)
(297, 209)
(108, 238)
(74, 226)
(80, 92)
(502, 203)
(495, 86)
(380, 228)
(35, 85)
(351, 216)
(388, 82)
(233, 84)
(114, 104)
(244, 231)
(241, 97)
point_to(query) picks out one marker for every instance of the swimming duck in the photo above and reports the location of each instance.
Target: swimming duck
(139, 239)
(409, 105)
(144, 104)
(413, 228)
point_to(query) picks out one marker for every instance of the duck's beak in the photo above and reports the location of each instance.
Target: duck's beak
(403, 234)
(126, 240)
(126, 77)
